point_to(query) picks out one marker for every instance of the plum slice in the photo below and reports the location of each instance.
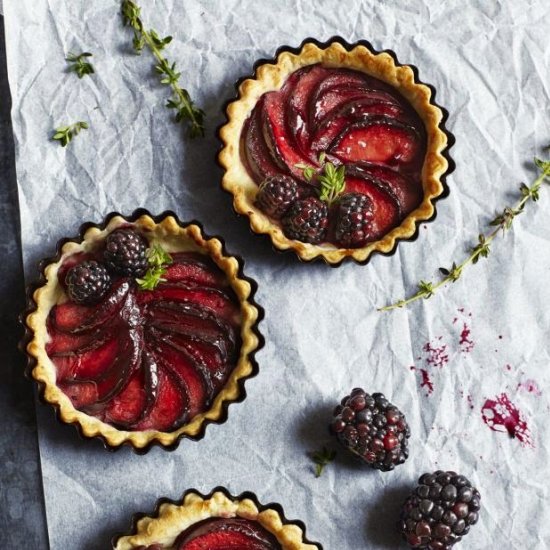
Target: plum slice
(213, 299)
(280, 141)
(256, 151)
(195, 268)
(197, 385)
(307, 79)
(407, 192)
(169, 408)
(74, 318)
(386, 208)
(347, 115)
(381, 140)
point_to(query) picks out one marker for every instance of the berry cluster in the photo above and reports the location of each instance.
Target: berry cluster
(440, 511)
(372, 428)
(124, 254)
(307, 219)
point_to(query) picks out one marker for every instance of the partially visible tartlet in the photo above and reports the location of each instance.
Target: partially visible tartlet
(320, 108)
(217, 521)
(142, 331)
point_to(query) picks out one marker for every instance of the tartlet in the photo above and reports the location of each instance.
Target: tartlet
(345, 105)
(143, 367)
(216, 520)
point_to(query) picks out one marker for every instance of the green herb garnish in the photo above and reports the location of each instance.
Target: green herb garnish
(502, 221)
(331, 178)
(158, 260)
(79, 64)
(66, 133)
(321, 459)
(186, 111)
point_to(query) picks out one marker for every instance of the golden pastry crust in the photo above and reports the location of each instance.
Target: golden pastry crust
(171, 519)
(173, 237)
(272, 76)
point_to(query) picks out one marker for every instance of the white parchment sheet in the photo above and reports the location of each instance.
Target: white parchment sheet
(484, 337)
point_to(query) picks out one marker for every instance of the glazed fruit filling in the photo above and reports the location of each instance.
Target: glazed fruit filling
(346, 118)
(143, 359)
(223, 534)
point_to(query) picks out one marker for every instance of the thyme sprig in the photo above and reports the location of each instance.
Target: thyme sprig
(186, 110)
(331, 178)
(502, 222)
(321, 459)
(78, 63)
(65, 134)
(158, 260)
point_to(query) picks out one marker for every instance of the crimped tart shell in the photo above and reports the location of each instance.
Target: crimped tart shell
(270, 75)
(170, 518)
(175, 236)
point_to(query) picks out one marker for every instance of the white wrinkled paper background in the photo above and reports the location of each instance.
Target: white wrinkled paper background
(490, 64)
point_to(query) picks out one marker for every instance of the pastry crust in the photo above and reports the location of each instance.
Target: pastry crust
(174, 237)
(173, 518)
(336, 54)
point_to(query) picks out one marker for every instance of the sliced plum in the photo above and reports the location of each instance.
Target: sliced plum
(408, 193)
(344, 117)
(62, 343)
(170, 406)
(225, 540)
(280, 141)
(308, 79)
(74, 318)
(213, 299)
(386, 208)
(195, 268)
(176, 361)
(382, 140)
(256, 152)
(129, 405)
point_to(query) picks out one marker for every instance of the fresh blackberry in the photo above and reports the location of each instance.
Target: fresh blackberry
(307, 220)
(353, 219)
(276, 195)
(440, 511)
(87, 282)
(126, 253)
(372, 428)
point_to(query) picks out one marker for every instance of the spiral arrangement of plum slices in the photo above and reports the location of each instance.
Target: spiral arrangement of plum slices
(356, 120)
(223, 534)
(148, 360)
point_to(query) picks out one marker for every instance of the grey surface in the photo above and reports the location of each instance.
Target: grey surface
(22, 520)
(489, 62)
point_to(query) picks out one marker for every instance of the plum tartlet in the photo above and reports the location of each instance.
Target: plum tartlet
(217, 521)
(334, 151)
(143, 331)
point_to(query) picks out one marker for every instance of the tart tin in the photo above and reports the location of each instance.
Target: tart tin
(286, 245)
(164, 508)
(162, 439)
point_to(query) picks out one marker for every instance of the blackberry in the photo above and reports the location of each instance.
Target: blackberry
(87, 282)
(307, 220)
(126, 253)
(372, 428)
(276, 195)
(440, 511)
(354, 215)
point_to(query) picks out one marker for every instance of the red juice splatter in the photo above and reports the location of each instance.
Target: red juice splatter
(466, 342)
(508, 367)
(530, 386)
(437, 353)
(501, 415)
(426, 380)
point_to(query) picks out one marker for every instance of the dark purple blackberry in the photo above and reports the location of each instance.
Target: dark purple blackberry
(354, 215)
(126, 253)
(87, 282)
(307, 220)
(440, 511)
(276, 195)
(372, 428)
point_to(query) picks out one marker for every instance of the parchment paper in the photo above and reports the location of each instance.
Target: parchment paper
(490, 64)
